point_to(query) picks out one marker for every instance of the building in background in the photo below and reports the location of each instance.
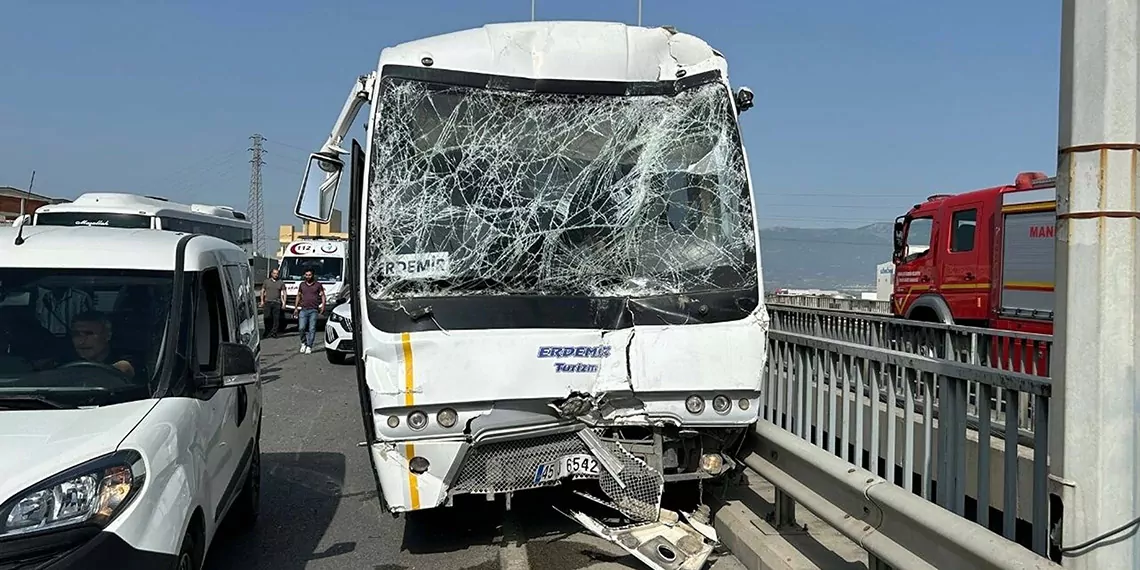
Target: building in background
(10, 199)
(310, 230)
(884, 280)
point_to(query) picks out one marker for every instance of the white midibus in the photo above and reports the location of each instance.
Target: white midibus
(555, 268)
(121, 210)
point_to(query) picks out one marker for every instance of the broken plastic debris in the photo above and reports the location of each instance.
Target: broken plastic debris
(659, 545)
(700, 522)
(610, 463)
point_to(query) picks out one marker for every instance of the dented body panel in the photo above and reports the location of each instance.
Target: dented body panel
(557, 273)
(553, 363)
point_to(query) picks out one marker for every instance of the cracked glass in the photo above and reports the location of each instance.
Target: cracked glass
(477, 191)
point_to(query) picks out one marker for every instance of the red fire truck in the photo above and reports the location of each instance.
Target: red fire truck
(982, 258)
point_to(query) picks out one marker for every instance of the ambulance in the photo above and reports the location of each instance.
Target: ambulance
(326, 257)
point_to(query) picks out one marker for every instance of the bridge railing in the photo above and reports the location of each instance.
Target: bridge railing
(990, 348)
(820, 302)
(889, 472)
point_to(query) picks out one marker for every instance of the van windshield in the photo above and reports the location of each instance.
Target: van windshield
(83, 336)
(325, 269)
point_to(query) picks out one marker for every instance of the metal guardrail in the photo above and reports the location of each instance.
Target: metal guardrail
(820, 393)
(990, 348)
(819, 302)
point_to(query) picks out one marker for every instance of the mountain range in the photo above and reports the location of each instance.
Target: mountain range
(824, 258)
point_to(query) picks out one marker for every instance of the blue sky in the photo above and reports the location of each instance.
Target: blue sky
(862, 107)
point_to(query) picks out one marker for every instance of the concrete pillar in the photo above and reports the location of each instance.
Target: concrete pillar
(1096, 394)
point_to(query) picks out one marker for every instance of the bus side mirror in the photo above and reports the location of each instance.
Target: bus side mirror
(744, 100)
(319, 187)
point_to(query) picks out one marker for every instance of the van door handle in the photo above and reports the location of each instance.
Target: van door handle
(969, 276)
(925, 278)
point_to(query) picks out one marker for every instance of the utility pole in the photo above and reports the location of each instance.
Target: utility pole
(256, 207)
(1096, 361)
(532, 10)
(639, 12)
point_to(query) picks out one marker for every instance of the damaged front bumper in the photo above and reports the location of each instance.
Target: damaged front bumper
(626, 460)
(502, 453)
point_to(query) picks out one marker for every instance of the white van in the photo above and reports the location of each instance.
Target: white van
(326, 257)
(130, 396)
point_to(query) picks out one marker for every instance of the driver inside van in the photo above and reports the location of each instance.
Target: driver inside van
(91, 338)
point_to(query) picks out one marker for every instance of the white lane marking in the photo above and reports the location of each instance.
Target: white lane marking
(512, 552)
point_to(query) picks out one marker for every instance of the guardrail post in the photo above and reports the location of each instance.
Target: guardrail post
(874, 563)
(1094, 451)
(785, 515)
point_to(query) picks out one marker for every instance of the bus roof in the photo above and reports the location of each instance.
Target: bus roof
(571, 50)
(116, 202)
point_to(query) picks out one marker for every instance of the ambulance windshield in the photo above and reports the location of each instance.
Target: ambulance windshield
(325, 269)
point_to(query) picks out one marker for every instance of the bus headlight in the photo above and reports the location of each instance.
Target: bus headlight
(695, 404)
(417, 420)
(446, 418)
(721, 404)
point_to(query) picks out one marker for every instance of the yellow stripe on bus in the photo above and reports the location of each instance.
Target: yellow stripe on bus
(410, 400)
(413, 483)
(409, 378)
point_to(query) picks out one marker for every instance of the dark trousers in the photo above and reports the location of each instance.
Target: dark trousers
(272, 318)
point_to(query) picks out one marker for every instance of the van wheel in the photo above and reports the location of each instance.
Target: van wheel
(248, 505)
(188, 555)
(335, 357)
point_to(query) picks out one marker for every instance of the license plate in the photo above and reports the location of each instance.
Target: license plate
(567, 466)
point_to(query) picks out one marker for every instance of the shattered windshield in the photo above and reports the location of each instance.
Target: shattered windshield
(81, 336)
(480, 191)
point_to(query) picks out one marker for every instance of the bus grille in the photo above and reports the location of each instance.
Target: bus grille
(511, 465)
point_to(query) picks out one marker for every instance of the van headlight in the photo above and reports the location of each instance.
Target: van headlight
(91, 493)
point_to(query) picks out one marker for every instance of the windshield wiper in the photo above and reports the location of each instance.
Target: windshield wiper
(31, 402)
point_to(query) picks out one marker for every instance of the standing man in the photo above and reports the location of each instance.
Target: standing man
(272, 299)
(310, 303)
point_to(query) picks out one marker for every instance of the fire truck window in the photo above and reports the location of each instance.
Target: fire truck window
(964, 227)
(918, 237)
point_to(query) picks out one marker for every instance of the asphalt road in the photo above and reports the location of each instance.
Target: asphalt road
(319, 504)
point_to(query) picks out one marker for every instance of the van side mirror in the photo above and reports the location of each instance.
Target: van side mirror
(319, 187)
(237, 364)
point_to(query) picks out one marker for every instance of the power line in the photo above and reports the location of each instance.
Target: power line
(307, 151)
(256, 206)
